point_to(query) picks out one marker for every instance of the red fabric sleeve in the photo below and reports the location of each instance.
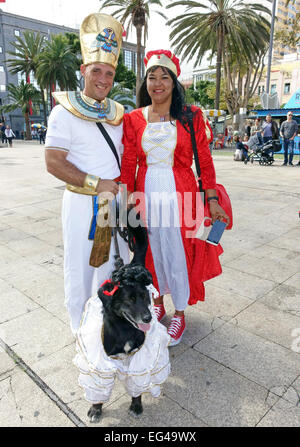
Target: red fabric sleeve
(202, 133)
(129, 160)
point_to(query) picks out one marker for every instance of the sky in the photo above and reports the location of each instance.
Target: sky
(72, 12)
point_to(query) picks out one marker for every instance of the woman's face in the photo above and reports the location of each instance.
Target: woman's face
(160, 86)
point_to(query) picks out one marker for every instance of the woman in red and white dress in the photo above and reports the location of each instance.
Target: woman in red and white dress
(156, 138)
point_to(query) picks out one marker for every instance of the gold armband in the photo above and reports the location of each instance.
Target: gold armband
(91, 182)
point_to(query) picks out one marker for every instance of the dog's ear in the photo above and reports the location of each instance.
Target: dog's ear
(104, 297)
(143, 276)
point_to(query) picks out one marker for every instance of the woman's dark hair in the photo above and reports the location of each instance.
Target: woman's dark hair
(178, 110)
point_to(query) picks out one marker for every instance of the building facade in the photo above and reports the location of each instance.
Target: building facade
(285, 15)
(13, 26)
(284, 78)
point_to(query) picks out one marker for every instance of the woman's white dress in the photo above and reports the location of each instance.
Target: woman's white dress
(159, 142)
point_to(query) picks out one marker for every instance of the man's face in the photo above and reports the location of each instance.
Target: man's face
(98, 80)
(289, 116)
(268, 118)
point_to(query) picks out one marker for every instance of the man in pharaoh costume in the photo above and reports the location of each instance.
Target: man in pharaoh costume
(83, 147)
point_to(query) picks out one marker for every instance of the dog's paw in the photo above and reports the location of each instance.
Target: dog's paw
(94, 414)
(135, 410)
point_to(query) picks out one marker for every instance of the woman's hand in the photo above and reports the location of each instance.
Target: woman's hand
(217, 213)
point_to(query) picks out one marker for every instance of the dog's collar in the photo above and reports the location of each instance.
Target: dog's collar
(106, 292)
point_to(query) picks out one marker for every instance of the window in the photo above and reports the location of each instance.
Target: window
(17, 33)
(21, 77)
(1, 50)
(128, 59)
(2, 87)
(287, 88)
(273, 88)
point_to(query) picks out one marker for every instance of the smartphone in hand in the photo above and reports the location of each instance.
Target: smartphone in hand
(216, 232)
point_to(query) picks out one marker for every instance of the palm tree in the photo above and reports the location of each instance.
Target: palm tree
(135, 13)
(221, 24)
(122, 95)
(25, 58)
(20, 96)
(57, 65)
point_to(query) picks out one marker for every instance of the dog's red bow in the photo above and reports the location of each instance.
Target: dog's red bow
(106, 292)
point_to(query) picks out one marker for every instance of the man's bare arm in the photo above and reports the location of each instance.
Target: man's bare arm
(58, 165)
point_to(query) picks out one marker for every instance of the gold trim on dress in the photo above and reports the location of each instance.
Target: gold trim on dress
(146, 138)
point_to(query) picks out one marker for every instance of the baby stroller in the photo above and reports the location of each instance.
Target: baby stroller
(262, 152)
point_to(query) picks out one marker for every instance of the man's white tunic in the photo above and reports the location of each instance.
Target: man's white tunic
(88, 150)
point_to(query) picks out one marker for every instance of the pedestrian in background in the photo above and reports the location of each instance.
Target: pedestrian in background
(256, 129)
(9, 135)
(3, 137)
(270, 131)
(248, 128)
(288, 131)
(41, 134)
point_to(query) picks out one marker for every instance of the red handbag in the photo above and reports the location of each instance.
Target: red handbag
(206, 263)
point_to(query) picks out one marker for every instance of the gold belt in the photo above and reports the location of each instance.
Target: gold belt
(80, 190)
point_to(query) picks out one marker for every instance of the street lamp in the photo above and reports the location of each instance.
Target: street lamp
(271, 47)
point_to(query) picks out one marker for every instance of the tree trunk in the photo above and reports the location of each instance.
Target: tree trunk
(218, 67)
(30, 102)
(28, 130)
(44, 106)
(138, 56)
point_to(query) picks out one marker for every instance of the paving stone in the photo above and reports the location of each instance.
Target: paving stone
(23, 404)
(293, 281)
(285, 298)
(242, 283)
(282, 414)
(254, 357)
(36, 334)
(274, 271)
(158, 412)
(269, 323)
(60, 374)
(7, 365)
(197, 384)
(293, 393)
(28, 246)
(222, 303)
(15, 303)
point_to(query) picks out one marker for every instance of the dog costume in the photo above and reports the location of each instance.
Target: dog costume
(141, 371)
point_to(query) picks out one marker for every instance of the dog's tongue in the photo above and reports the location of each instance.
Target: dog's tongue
(144, 327)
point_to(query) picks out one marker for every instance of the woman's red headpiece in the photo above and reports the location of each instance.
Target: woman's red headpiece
(163, 58)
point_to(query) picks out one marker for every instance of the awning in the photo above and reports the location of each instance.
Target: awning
(274, 112)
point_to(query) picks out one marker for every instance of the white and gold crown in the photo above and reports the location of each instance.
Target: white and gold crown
(100, 39)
